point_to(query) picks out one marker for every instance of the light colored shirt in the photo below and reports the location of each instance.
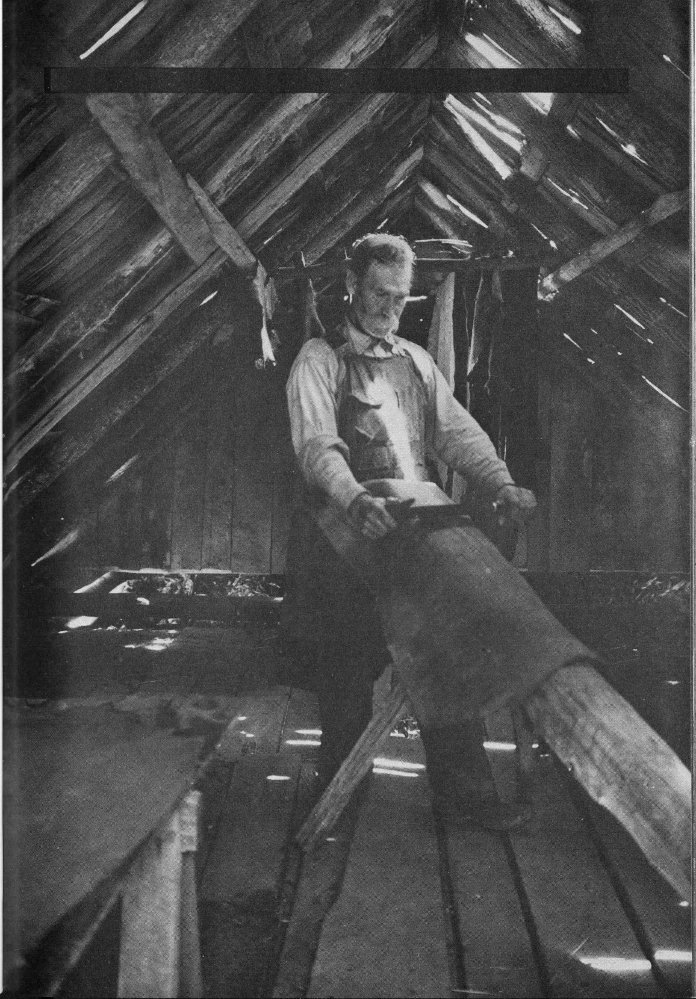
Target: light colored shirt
(313, 392)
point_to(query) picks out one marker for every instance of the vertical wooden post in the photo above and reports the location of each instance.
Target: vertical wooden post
(441, 349)
(190, 978)
(159, 927)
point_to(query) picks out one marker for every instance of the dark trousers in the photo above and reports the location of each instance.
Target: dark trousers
(328, 602)
(352, 655)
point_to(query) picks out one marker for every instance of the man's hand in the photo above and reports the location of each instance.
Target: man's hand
(370, 515)
(513, 505)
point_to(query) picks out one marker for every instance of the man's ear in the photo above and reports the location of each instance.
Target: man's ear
(351, 282)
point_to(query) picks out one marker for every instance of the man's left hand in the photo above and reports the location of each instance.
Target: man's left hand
(513, 505)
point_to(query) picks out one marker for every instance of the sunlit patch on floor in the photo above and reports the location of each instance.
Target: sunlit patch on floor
(155, 645)
(83, 621)
(616, 965)
(400, 765)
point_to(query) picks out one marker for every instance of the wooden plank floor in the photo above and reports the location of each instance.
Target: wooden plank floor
(386, 934)
(395, 902)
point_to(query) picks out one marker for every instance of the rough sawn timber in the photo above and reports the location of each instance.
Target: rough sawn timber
(664, 207)
(622, 763)
(74, 327)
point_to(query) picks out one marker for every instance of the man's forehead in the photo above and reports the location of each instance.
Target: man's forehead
(389, 275)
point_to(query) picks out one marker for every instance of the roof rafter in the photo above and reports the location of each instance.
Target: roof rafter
(101, 307)
(82, 157)
(663, 208)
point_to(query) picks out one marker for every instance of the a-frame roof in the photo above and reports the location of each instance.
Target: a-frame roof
(111, 232)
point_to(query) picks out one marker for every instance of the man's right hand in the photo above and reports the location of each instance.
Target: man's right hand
(370, 515)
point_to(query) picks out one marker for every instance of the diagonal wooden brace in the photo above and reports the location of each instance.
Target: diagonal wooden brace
(358, 762)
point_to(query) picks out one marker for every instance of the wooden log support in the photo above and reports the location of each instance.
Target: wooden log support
(663, 208)
(358, 763)
(614, 754)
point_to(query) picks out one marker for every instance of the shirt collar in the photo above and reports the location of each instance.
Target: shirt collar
(363, 343)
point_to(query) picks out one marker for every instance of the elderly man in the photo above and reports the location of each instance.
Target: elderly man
(366, 404)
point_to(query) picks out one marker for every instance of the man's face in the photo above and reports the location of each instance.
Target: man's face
(379, 297)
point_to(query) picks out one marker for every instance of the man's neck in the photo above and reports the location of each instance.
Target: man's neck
(359, 325)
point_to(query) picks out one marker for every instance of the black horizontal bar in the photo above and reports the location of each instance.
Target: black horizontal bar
(211, 80)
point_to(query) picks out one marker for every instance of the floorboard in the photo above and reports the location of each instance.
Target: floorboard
(497, 954)
(588, 944)
(240, 887)
(385, 936)
(664, 919)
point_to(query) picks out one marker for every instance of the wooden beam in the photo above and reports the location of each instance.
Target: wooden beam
(622, 764)
(351, 178)
(40, 198)
(202, 233)
(281, 116)
(83, 381)
(465, 190)
(222, 231)
(663, 208)
(152, 171)
(280, 193)
(360, 207)
(75, 328)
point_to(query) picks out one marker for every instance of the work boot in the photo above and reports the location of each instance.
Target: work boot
(461, 779)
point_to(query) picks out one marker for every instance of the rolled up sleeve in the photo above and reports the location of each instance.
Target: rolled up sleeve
(322, 455)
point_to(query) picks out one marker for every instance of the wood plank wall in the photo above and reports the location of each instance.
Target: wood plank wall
(218, 492)
(612, 485)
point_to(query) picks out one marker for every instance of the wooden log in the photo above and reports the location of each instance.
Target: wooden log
(614, 754)
(581, 916)
(152, 171)
(622, 763)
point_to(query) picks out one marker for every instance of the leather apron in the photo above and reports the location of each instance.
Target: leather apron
(383, 417)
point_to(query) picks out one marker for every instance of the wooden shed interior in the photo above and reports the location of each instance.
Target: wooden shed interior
(165, 256)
